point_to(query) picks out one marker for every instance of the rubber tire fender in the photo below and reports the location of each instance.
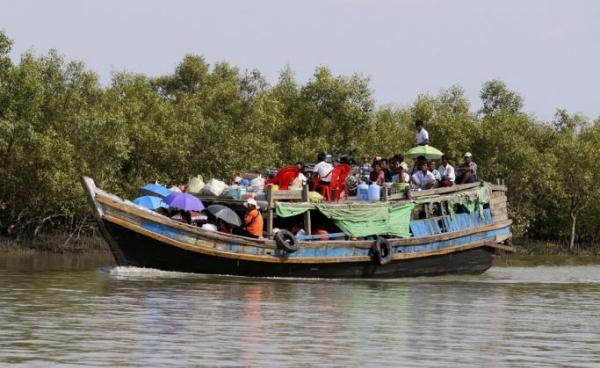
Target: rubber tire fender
(382, 251)
(285, 240)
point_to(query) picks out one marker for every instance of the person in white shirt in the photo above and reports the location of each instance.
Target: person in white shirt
(447, 172)
(301, 171)
(423, 179)
(300, 180)
(400, 174)
(323, 170)
(298, 231)
(422, 137)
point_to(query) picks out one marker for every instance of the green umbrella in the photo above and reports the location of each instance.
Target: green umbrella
(430, 153)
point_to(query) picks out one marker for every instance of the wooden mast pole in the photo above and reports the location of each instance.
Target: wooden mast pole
(305, 198)
(270, 211)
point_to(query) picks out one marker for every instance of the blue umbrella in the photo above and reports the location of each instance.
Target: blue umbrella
(155, 190)
(184, 201)
(150, 202)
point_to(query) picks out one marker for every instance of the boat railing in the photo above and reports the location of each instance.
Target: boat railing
(298, 195)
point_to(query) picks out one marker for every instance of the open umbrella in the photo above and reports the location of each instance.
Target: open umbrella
(225, 213)
(184, 201)
(150, 202)
(155, 190)
(430, 153)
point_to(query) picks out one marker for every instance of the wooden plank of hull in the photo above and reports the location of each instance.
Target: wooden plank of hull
(265, 256)
(133, 213)
(500, 216)
(354, 253)
(498, 195)
(499, 206)
(90, 187)
(144, 251)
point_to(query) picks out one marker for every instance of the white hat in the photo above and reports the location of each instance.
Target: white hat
(404, 166)
(251, 202)
(468, 154)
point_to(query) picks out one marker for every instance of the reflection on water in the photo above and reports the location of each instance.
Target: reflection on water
(68, 310)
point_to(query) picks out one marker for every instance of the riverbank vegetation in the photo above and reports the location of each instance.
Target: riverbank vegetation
(58, 122)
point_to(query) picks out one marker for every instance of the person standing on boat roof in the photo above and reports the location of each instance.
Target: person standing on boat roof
(422, 137)
(323, 169)
(253, 220)
(467, 172)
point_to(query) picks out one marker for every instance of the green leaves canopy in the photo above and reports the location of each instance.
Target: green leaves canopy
(57, 122)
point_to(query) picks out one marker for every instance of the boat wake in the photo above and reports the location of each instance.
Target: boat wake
(497, 275)
(141, 272)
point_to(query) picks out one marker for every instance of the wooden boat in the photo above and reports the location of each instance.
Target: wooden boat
(459, 244)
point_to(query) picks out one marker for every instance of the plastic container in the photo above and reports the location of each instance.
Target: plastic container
(362, 192)
(235, 192)
(261, 195)
(374, 192)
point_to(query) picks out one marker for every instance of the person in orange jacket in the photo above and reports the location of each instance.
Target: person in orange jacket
(253, 220)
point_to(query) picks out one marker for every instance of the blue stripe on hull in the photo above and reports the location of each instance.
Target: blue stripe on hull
(337, 251)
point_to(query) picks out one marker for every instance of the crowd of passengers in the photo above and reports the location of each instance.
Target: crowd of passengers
(424, 174)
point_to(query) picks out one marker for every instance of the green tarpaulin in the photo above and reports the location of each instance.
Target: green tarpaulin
(383, 218)
(284, 209)
(472, 201)
(359, 220)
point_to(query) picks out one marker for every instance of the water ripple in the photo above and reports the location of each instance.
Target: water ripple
(510, 316)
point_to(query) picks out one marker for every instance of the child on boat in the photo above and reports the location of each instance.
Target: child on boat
(377, 175)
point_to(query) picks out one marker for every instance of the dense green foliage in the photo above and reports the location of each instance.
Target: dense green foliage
(57, 122)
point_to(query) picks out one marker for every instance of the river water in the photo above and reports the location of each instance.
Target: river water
(65, 310)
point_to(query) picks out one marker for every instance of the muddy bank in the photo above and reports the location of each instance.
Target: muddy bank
(534, 247)
(63, 243)
(55, 243)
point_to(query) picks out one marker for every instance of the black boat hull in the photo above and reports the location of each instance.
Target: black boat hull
(143, 251)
